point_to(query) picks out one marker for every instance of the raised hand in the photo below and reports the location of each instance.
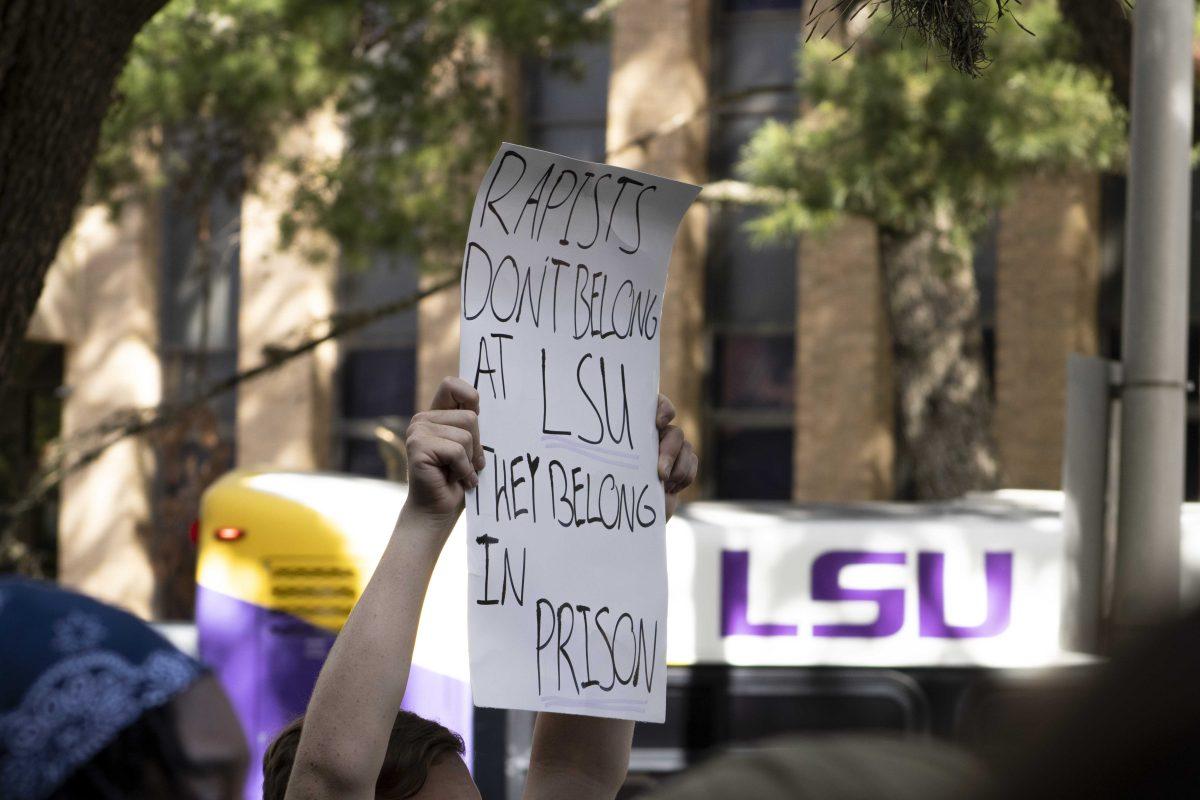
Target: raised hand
(444, 452)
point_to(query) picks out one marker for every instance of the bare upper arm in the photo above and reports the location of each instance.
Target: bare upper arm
(580, 757)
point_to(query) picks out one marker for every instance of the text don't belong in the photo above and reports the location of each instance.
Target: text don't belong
(508, 292)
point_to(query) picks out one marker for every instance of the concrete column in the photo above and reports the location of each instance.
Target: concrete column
(284, 418)
(1047, 280)
(102, 303)
(659, 81)
(437, 339)
(844, 444)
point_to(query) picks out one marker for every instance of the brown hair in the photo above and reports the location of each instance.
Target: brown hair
(414, 746)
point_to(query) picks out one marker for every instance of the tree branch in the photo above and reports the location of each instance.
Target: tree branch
(958, 27)
(685, 118)
(132, 422)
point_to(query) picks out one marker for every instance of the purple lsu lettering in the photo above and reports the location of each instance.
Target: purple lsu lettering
(826, 586)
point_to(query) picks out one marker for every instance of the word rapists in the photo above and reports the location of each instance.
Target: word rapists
(573, 203)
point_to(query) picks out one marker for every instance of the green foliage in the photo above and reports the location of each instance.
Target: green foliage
(212, 85)
(905, 140)
(207, 84)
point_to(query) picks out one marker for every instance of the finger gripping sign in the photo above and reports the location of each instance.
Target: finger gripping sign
(561, 310)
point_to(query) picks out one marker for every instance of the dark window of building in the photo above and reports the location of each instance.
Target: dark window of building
(751, 288)
(378, 382)
(754, 460)
(754, 371)
(762, 5)
(567, 107)
(377, 376)
(363, 456)
(748, 285)
(754, 77)
(986, 260)
(199, 295)
(199, 291)
(30, 418)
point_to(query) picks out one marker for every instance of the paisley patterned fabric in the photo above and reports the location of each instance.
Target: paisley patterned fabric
(73, 674)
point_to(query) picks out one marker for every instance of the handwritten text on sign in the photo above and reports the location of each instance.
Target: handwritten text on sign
(562, 298)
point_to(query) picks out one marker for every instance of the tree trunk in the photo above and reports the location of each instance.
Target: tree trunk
(943, 410)
(59, 60)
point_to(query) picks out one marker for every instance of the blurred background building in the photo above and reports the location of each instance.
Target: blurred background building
(777, 357)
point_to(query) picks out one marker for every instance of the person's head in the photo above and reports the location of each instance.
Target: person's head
(96, 704)
(423, 761)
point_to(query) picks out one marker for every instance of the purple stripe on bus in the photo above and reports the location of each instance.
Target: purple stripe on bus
(444, 699)
(268, 662)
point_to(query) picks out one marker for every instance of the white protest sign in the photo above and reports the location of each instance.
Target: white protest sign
(562, 297)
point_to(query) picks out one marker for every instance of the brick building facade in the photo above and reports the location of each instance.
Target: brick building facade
(782, 377)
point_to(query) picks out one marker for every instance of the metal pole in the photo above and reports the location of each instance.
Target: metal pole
(1086, 480)
(1154, 338)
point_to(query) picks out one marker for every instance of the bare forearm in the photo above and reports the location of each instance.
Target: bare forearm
(362, 683)
(578, 757)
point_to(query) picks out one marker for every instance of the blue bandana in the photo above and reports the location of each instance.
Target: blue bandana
(73, 674)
